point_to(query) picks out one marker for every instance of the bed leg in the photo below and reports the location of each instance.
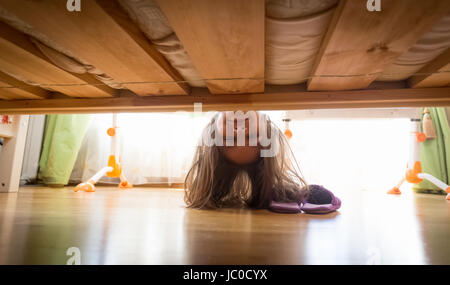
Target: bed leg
(11, 153)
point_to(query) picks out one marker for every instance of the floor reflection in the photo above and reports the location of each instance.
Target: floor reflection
(143, 226)
(372, 228)
(243, 237)
(434, 225)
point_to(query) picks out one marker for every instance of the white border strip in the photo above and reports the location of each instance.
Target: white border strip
(353, 113)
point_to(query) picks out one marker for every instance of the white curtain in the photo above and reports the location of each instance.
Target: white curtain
(349, 154)
(365, 154)
(154, 148)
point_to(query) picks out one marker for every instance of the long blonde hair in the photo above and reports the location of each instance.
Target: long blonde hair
(214, 182)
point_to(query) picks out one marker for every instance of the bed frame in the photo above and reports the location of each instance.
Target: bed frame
(358, 45)
(225, 41)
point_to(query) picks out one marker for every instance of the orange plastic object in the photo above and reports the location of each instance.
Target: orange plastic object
(6, 119)
(111, 132)
(86, 186)
(447, 190)
(421, 137)
(411, 174)
(125, 185)
(394, 190)
(288, 133)
(117, 168)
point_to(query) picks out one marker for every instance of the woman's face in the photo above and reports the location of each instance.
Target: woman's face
(239, 154)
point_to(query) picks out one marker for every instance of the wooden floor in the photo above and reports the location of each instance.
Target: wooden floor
(152, 226)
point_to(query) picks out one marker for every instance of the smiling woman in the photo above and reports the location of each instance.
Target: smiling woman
(240, 175)
(240, 135)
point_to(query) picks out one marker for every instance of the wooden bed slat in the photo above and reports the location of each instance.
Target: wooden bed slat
(16, 89)
(362, 44)
(101, 39)
(20, 58)
(434, 74)
(224, 39)
(279, 98)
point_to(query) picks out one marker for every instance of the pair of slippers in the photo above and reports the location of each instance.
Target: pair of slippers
(319, 201)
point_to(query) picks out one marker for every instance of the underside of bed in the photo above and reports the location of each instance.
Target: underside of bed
(167, 55)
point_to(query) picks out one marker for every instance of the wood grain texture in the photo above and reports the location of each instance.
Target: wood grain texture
(99, 36)
(11, 88)
(434, 74)
(152, 226)
(224, 39)
(277, 98)
(19, 57)
(362, 44)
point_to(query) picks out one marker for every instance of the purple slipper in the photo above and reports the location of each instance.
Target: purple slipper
(285, 208)
(320, 201)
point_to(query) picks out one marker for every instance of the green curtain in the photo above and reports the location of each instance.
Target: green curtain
(435, 153)
(63, 136)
